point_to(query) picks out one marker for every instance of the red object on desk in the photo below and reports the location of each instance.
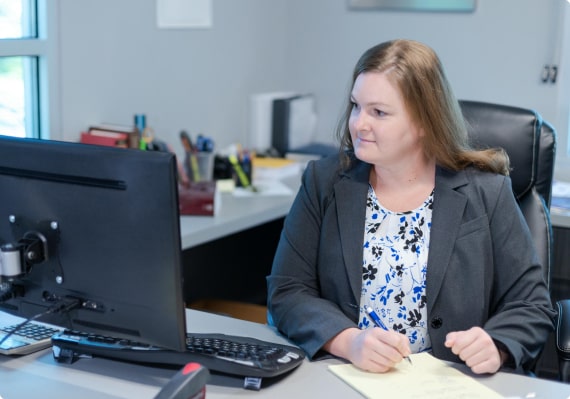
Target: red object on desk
(110, 139)
(188, 383)
(197, 198)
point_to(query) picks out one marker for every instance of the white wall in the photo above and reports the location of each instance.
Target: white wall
(115, 62)
(493, 54)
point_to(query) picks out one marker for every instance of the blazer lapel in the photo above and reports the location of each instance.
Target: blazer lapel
(448, 206)
(351, 192)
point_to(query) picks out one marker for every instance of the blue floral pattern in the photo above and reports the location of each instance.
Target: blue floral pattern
(394, 269)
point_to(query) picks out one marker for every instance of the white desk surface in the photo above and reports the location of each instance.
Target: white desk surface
(38, 375)
(236, 214)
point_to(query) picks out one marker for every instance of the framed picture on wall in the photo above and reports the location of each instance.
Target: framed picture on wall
(414, 5)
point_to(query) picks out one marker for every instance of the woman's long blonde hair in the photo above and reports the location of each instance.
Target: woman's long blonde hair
(418, 73)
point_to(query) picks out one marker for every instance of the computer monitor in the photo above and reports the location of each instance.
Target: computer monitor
(93, 223)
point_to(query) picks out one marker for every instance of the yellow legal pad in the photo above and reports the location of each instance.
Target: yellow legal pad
(426, 378)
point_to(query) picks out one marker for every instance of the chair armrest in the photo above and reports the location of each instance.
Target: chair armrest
(563, 338)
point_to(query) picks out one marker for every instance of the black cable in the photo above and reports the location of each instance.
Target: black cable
(63, 306)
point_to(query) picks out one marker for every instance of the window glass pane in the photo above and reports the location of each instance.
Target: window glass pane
(18, 96)
(17, 19)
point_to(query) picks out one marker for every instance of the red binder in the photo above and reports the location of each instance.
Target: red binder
(110, 139)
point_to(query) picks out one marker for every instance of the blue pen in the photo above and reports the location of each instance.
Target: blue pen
(376, 319)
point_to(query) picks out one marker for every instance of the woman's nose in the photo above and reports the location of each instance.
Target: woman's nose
(359, 121)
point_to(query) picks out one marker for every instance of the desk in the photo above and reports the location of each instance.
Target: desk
(227, 256)
(25, 377)
(236, 214)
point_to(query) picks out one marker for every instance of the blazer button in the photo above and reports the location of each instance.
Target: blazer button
(436, 322)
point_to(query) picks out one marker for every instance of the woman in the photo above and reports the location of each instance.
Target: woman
(411, 222)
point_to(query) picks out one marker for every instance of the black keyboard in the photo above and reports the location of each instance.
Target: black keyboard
(229, 354)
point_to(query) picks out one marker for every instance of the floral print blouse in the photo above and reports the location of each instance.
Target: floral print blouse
(394, 269)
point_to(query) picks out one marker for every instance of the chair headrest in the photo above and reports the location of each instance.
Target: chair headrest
(516, 130)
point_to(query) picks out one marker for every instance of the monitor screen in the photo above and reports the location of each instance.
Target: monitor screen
(93, 223)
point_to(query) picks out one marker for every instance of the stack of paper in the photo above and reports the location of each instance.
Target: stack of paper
(427, 377)
(264, 188)
(275, 168)
(560, 202)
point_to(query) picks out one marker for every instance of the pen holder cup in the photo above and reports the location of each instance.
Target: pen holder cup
(206, 165)
(200, 166)
(242, 178)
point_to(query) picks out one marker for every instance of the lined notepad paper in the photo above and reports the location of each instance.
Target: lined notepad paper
(428, 377)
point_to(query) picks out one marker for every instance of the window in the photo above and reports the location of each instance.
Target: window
(24, 68)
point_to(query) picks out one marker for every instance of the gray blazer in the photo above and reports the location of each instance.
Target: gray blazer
(482, 268)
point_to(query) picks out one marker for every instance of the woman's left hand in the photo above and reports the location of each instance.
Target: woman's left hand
(476, 348)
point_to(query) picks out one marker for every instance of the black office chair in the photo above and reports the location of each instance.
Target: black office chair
(530, 143)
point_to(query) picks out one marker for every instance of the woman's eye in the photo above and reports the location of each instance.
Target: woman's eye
(379, 112)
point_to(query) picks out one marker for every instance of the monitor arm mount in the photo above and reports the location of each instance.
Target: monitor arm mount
(33, 244)
(17, 259)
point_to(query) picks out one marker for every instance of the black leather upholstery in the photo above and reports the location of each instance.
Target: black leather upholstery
(563, 339)
(531, 145)
(546, 158)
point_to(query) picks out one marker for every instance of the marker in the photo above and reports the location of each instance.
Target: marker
(376, 319)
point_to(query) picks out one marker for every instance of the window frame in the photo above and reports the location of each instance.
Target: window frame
(46, 124)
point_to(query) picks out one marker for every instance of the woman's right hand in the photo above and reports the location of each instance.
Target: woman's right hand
(371, 349)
